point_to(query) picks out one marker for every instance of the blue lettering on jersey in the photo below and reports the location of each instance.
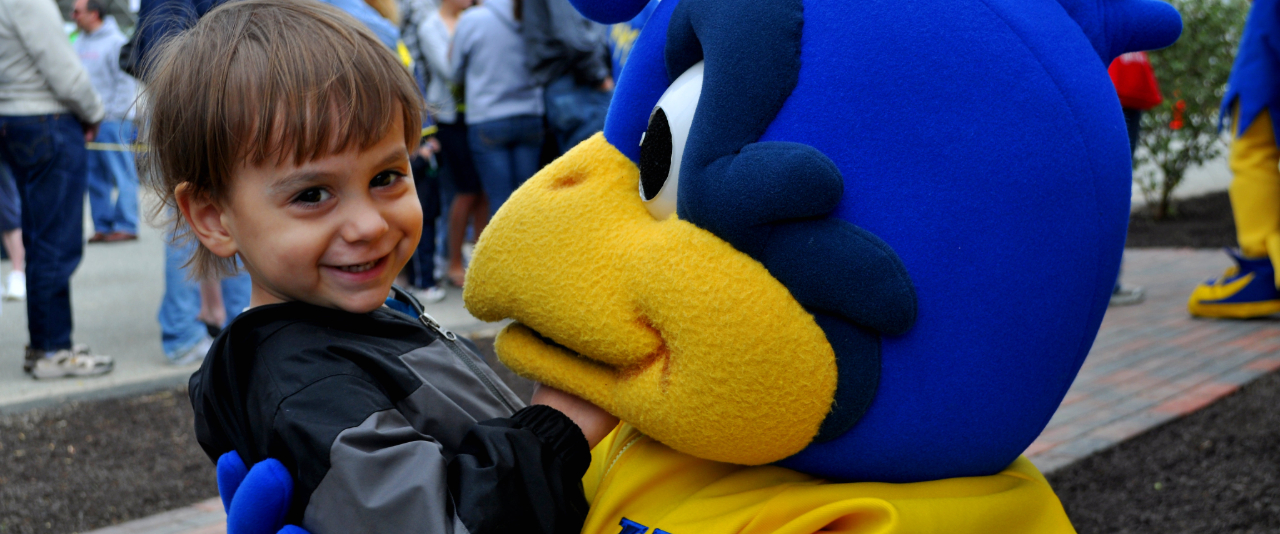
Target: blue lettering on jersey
(631, 527)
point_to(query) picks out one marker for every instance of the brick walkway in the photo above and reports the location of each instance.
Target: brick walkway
(1151, 363)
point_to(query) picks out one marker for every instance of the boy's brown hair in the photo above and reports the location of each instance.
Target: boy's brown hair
(259, 81)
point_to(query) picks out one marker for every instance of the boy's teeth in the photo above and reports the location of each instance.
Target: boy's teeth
(358, 268)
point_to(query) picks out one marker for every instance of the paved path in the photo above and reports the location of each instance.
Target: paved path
(1151, 363)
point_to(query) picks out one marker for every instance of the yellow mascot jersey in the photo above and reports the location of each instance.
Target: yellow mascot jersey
(639, 486)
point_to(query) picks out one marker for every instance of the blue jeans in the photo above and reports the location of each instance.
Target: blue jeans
(46, 155)
(113, 169)
(179, 328)
(574, 112)
(421, 267)
(506, 154)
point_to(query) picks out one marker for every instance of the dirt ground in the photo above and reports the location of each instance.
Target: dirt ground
(1201, 222)
(83, 466)
(1214, 471)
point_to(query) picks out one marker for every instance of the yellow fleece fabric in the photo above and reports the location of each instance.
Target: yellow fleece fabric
(1255, 189)
(657, 321)
(649, 487)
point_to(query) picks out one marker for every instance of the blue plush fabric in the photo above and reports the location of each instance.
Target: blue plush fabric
(231, 473)
(979, 142)
(258, 502)
(609, 11)
(1255, 76)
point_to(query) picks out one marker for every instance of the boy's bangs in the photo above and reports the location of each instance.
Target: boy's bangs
(323, 98)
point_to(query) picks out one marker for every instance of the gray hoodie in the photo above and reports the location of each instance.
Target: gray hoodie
(39, 72)
(100, 54)
(488, 58)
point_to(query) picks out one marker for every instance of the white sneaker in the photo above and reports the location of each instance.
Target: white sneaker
(193, 355)
(431, 295)
(17, 289)
(71, 363)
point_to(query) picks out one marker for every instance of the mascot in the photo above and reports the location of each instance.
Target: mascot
(1250, 288)
(834, 264)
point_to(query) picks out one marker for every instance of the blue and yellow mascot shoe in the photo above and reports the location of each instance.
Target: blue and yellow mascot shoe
(1248, 289)
(785, 264)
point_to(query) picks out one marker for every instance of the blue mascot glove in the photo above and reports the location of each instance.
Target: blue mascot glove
(257, 499)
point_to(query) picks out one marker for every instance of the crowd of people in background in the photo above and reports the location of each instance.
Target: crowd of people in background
(510, 85)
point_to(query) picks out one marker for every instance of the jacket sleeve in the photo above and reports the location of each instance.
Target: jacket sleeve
(585, 40)
(53, 55)
(380, 474)
(435, 48)
(459, 50)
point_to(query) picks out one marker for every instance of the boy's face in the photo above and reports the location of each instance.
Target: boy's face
(333, 231)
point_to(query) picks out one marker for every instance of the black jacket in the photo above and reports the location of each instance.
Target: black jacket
(386, 426)
(561, 41)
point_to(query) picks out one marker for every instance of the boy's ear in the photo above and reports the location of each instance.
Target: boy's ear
(205, 218)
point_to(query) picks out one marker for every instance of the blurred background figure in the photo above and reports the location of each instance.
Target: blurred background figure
(458, 173)
(623, 35)
(191, 311)
(504, 103)
(15, 287)
(1138, 91)
(48, 112)
(109, 165)
(1251, 288)
(568, 55)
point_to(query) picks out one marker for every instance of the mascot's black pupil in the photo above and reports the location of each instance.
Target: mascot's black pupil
(655, 155)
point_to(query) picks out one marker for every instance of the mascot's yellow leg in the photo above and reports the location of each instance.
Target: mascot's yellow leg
(1249, 289)
(1255, 189)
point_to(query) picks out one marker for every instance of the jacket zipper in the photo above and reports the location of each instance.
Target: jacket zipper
(451, 341)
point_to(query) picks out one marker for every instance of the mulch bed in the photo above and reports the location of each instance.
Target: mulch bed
(1216, 470)
(1200, 222)
(83, 466)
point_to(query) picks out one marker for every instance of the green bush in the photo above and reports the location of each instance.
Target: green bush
(1183, 130)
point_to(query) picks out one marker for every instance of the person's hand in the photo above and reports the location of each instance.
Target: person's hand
(607, 84)
(429, 147)
(593, 420)
(90, 131)
(257, 499)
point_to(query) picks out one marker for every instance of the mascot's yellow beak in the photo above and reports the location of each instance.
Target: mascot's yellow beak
(661, 323)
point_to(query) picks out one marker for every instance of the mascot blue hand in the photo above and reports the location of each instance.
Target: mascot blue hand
(257, 499)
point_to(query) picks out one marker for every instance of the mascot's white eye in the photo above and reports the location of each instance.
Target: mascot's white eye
(662, 146)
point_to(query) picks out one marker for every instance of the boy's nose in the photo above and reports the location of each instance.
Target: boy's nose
(364, 222)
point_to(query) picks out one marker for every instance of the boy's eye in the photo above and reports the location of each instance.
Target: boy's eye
(314, 195)
(385, 178)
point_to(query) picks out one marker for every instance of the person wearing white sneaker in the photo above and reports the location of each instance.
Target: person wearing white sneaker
(11, 236)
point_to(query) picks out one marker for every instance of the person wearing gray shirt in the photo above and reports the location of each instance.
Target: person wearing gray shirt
(504, 104)
(48, 110)
(109, 164)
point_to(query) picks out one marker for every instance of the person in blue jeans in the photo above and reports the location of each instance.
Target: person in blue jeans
(568, 55)
(109, 163)
(48, 113)
(183, 336)
(504, 104)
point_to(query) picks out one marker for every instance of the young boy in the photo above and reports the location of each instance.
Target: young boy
(278, 129)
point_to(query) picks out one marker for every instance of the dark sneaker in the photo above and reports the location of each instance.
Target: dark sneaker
(73, 362)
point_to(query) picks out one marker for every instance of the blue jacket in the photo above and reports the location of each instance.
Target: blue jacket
(1256, 73)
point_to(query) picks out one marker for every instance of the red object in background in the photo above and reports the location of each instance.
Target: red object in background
(1135, 81)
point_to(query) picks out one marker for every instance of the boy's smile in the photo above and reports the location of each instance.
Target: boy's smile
(334, 231)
